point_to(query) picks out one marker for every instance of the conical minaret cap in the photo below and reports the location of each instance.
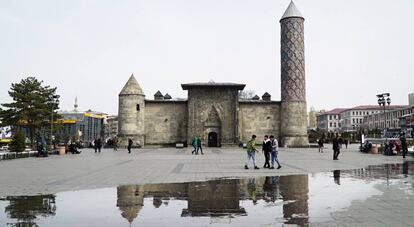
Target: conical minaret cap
(131, 87)
(292, 11)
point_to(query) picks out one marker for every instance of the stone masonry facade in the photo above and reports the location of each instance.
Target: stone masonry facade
(214, 112)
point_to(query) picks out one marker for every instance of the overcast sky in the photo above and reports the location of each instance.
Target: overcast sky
(354, 49)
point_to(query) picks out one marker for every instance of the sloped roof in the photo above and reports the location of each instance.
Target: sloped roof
(266, 94)
(167, 96)
(131, 87)
(158, 94)
(334, 111)
(292, 11)
(377, 107)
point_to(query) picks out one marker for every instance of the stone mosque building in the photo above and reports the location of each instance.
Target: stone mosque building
(214, 111)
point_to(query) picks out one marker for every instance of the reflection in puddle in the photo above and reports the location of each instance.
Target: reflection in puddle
(25, 209)
(295, 199)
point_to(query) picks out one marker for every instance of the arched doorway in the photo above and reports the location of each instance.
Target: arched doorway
(212, 139)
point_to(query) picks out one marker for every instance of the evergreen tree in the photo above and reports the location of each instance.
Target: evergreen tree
(31, 106)
(17, 144)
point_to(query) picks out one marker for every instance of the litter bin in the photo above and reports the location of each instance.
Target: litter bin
(62, 150)
(374, 149)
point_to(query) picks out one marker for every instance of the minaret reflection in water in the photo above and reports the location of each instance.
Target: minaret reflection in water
(294, 190)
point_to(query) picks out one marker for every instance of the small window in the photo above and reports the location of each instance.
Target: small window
(138, 107)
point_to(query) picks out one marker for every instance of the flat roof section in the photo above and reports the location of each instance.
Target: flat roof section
(213, 85)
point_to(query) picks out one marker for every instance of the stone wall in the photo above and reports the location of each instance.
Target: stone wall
(165, 122)
(131, 119)
(207, 103)
(259, 118)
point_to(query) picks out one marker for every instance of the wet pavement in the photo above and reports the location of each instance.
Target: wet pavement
(381, 195)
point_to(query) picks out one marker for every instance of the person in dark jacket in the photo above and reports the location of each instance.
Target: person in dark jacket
(404, 148)
(267, 149)
(320, 145)
(99, 144)
(199, 145)
(95, 145)
(335, 147)
(129, 145)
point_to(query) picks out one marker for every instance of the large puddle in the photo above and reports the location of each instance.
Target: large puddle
(273, 201)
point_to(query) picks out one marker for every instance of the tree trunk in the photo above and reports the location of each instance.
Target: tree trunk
(32, 132)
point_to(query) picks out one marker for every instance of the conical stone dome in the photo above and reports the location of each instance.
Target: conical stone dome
(131, 87)
(292, 11)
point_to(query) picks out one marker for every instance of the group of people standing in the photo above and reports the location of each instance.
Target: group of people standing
(196, 144)
(270, 149)
(97, 144)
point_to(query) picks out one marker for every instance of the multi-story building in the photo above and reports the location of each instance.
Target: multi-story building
(111, 126)
(352, 119)
(5, 132)
(329, 121)
(394, 119)
(81, 126)
(411, 99)
(312, 124)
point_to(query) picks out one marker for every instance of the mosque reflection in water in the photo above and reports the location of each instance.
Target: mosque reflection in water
(221, 197)
(230, 198)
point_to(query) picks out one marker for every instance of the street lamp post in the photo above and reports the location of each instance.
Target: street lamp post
(384, 99)
(54, 99)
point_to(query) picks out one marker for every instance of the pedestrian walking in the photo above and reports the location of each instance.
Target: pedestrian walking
(199, 146)
(99, 145)
(194, 145)
(129, 145)
(335, 147)
(95, 145)
(251, 152)
(320, 145)
(266, 150)
(275, 151)
(115, 143)
(404, 147)
(341, 141)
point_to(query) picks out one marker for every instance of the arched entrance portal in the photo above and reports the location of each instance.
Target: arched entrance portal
(212, 128)
(212, 139)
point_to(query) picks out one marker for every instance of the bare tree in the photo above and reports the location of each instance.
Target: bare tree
(246, 94)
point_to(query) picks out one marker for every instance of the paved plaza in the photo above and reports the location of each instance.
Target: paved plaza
(379, 204)
(111, 168)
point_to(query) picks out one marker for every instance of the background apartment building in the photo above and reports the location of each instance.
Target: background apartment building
(329, 121)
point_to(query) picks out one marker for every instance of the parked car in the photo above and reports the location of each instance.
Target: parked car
(411, 149)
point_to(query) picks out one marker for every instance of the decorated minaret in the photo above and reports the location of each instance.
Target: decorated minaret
(293, 89)
(131, 114)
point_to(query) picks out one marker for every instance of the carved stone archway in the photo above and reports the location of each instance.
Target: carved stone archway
(212, 128)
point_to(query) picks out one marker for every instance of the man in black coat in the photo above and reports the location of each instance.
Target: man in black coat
(267, 149)
(129, 145)
(335, 147)
(404, 147)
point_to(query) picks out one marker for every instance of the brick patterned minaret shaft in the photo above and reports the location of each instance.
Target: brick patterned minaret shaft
(293, 87)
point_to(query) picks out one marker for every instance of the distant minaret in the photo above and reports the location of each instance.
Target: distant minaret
(292, 50)
(131, 113)
(76, 104)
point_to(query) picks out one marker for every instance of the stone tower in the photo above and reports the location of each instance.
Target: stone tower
(292, 50)
(131, 114)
